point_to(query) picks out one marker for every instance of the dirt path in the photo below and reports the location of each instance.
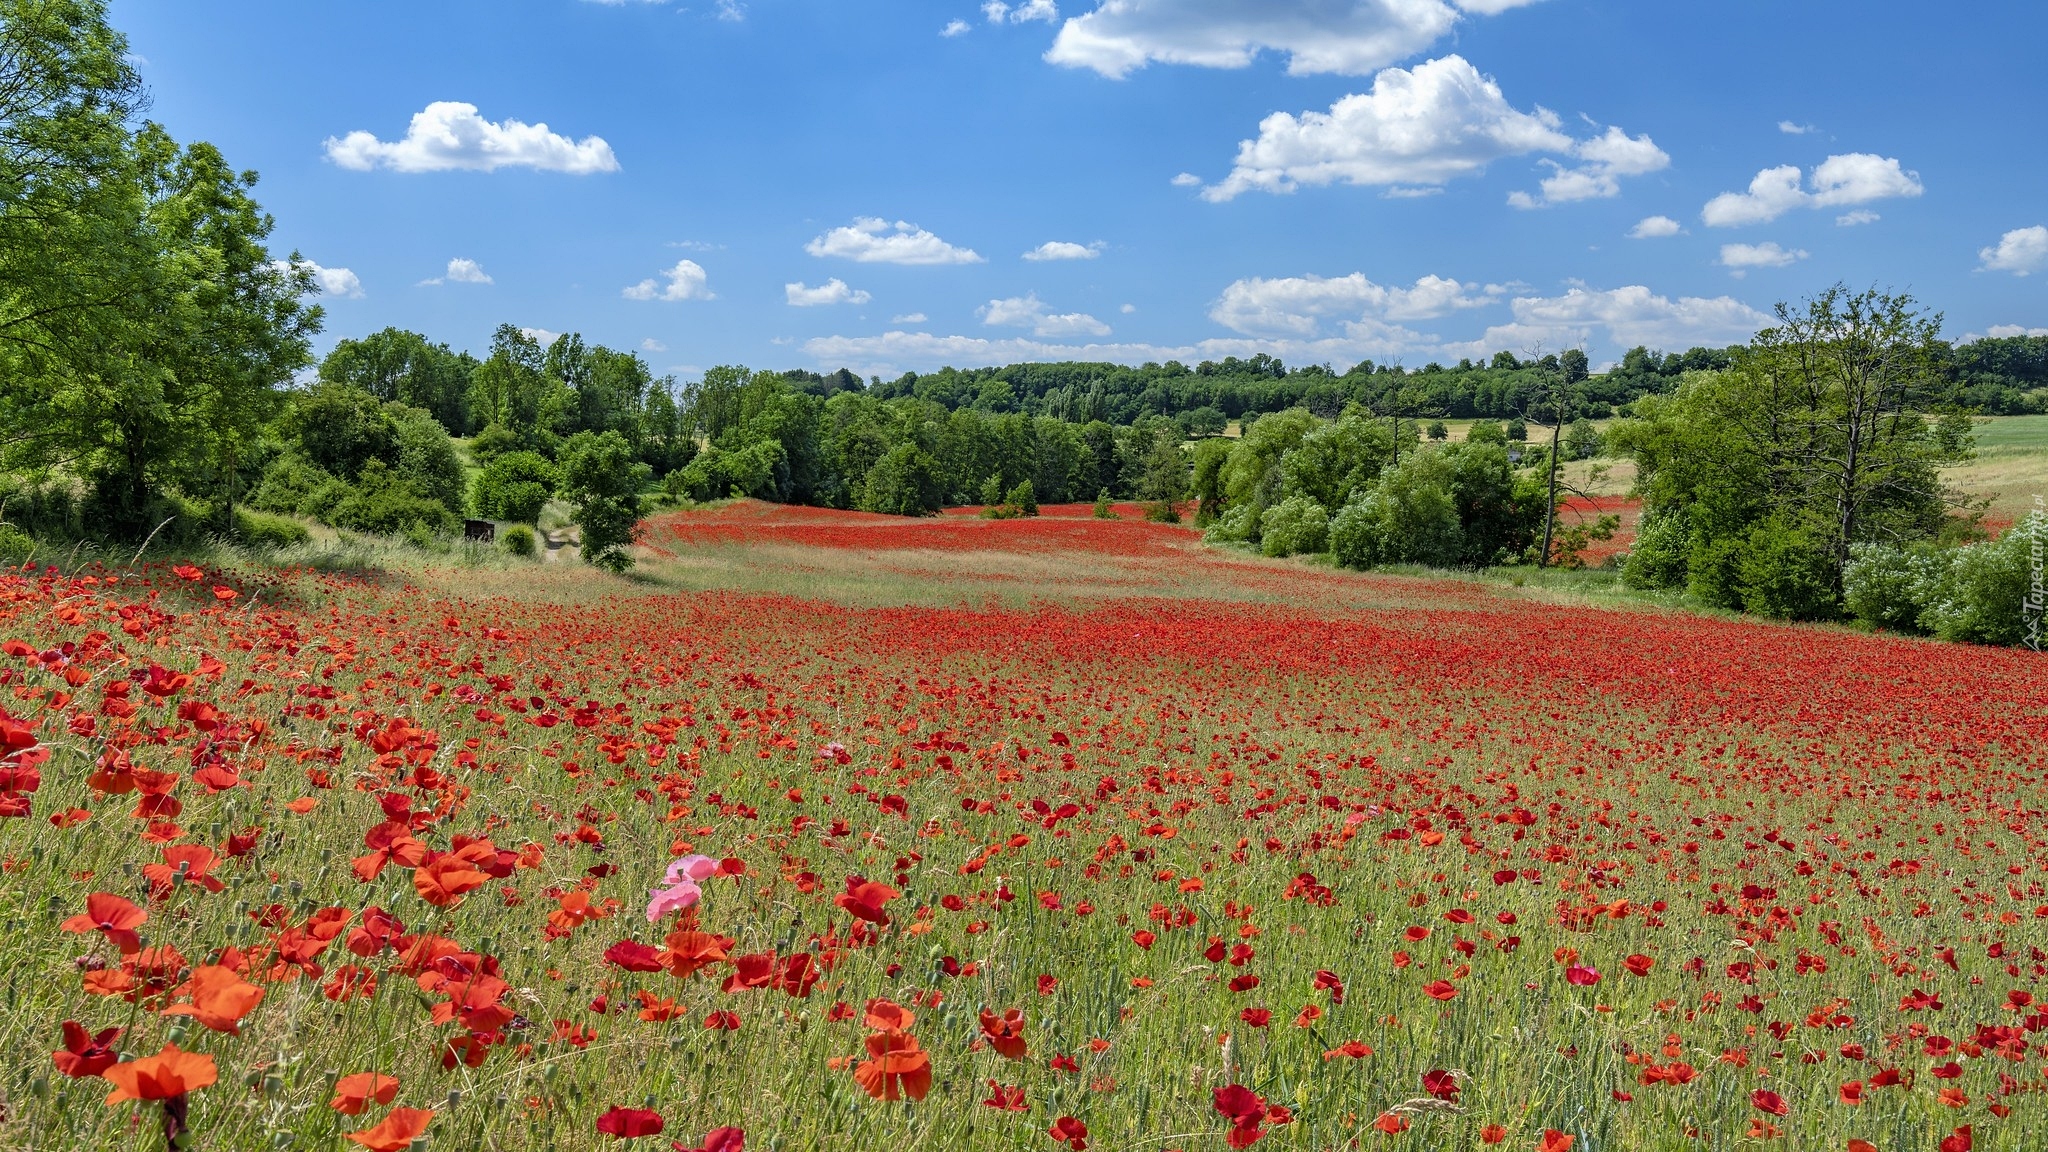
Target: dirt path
(563, 544)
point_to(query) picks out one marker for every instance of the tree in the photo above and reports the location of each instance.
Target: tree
(602, 480)
(393, 364)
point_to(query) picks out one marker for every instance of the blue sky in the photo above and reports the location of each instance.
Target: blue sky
(818, 183)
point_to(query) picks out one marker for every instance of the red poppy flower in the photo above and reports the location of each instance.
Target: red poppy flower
(1071, 1132)
(896, 1067)
(356, 1092)
(394, 1133)
(629, 1123)
(1765, 1100)
(86, 1054)
(1005, 1033)
(114, 917)
(165, 1076)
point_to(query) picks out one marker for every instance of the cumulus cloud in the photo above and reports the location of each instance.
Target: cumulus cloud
(332, 281)
(1794, 128)
(954, 28)
(685, 281)
(1859, 216)
(1187, 180)
(2008, 331)
(1296, 305)
(1345, 36)
(1654, 227)
(1028, 311)
(1839, 181)
(1065, 250)
(450, 135)
(873, 240)
(461, 270)
(1423, 127)
(543, 335)
(1626, 317)
(1740, 258)
(1608, 157)
(833, 291)
(908, 318)
(652, 345)
(2019, 251)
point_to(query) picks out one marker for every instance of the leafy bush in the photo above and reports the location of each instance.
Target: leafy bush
(1296, 524)
(1984, 592)
(1103, 509)
(386, 504)
(1518, 429)
(1162, 512)
(1886, 587)
(16, 546)
(1658, 558)
(717, 473)
(514, 486)
(426, 456)
(1487, 432)
(287, 483)
(267, 531)
(1355, 537)
(1235, 526)
(1023, 499)
(1785, 574)
(519, 540)
(494, 441)
(1418, 511)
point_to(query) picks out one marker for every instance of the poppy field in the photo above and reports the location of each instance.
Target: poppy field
(1190, 851)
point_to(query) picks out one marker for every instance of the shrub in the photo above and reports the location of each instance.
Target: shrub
(1884, 586)
(1658, 558)
(1103, 509)
(16, 546)
(519, 540)
(1355, 537)
(1518, 429)
(494, 441)
(1296, 524)
(426, 456)
(904, 482)
(1235, 526)
(386, 504)
(286, 484)
(1023, 499)
(1438, 430)
(1983, 595)
(1782, 573)
(1162, 512)
(514, 486)
(267, 531)
(1486, 432)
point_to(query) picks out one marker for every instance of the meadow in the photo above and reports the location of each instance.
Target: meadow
(831, 830)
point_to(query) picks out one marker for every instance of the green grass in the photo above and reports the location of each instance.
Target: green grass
(2012, 434)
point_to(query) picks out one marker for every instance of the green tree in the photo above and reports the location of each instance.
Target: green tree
(602, 480)
(393, 364)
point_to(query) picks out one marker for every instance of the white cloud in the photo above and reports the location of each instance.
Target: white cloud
(2008, 331)
(1794, 128)
(461, 270)
(833, 291)
(1347, 36)
(339, 282)
(1028, 311)
(652, 345)
(2019, 251)
(1127, 309)
(1854, 178)
(1294, 305)
(1625, 316)
(1740, 258)
(545, 336)
(1608, 157)
(873, 240)
(1422, 127)
(1187, 180)
(1065, 250)
(686, 281)
(732, 10)
(1859, 216)
(450, 135)
(1492, 7)
(954, 28)
(1654, 227)
(908, 318)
